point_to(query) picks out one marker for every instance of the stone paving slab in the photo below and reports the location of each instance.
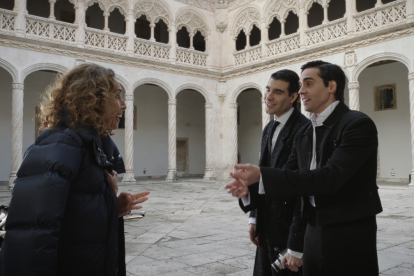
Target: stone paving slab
(192, 227)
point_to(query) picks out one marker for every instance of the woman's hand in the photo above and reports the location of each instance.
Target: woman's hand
(112, 179)
(128, 202)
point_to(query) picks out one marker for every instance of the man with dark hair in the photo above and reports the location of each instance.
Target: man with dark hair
(277, 225)
(333, 166)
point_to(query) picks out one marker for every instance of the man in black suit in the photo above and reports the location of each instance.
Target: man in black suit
(277, 225)
(333, 167)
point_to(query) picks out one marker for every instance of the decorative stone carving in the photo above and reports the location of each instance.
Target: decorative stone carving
(153, 10)
(353, 88)
(209, 171)
(221, 19)
(281, 9)
(172, 140)
(17, 130)
(350, 59)
(192, 22)
(246, 20)
(234, 4)
(222, 90)
(129, 176)
(110, 5)
(234, 135)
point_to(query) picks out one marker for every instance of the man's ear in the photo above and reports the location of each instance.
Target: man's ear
(293, 97)
(332, 86)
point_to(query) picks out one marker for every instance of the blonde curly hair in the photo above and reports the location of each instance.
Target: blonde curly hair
(85, 94)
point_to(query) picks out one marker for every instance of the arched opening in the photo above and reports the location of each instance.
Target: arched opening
(6, 124)
(183, 38)
(150, 131)
(315, 16)
(7, 4)
(249, 125)
(255, 36)
(336, 9)
(362, 5)
(199, 43)
(116, 22)
(191, 141)
(142, 28)
(292, 23)
(64, 11)
(94, 17)
(161, 32)
(384, 97)
(35, 85)
(241, 41)
(275, 29)
(38, 8)
(388, 1)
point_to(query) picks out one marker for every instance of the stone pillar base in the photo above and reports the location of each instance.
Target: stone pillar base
(171, 175)
(12, 178)
(209, 174)
(129, 178)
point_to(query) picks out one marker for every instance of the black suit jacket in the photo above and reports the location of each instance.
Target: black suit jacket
(344, 183)
(278, 220)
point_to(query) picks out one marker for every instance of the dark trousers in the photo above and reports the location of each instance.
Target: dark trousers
(341, 249)
(264, 258)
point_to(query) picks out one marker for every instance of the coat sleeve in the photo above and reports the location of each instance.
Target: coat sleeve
(297, 228)
(358, 141)
(37, 207)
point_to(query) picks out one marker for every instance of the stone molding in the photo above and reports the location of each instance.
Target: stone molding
(411, 76)
(245, 20)
(195, 87)
(124, 83)
(157, 82)
(280, 9)
(43, 66)
(18, 85)
(353, 85)
(193, 21)
(9, 68)
(154, 10)
(244, 86)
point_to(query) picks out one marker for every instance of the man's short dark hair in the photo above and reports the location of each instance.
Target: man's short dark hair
(290, 77)
(329, 72)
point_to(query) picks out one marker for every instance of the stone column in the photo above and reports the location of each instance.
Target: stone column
(20, 21)
(233, 135)
(52, 9)
(209, 172)
(265, 37)
(282, 34)
(152, 26)
(106, 15)
(411, 87)
(172, 40)
(129, 176)
(350, 11)
(172, 140)
(247, 40)
(235, 44)
(303, 23)
(353, 88)
(265, 116)
(80, 11)
(17, 130)
(379, 3)
(130, 32)
(325, 14)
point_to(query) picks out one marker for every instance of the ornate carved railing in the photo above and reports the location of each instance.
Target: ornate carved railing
(7, 19)
(50, 29)
(248, 56)
(283, 45)
(326, 33)
(149, 49)
(381, 17)
(191, 57)
(104, 40)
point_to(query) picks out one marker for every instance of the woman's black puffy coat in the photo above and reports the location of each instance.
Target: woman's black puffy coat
(63, 213)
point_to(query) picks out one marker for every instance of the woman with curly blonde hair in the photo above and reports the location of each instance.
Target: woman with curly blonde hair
(63, 216)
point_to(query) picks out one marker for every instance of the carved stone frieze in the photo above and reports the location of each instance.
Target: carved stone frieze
(153, 10)
(281, 9)
(201, 4)
(234, 4)
(221, 19)
(246, 20)
(192, 22)
(110, 5)
(350, 59)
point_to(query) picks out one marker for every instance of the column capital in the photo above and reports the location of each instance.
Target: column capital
(233, 105)
(172, 102)
(209, 105)
(18, 85)
(152, 25)
(411, 76)
(353, 85)
(129, 97)
(106, 14)
(52, 1)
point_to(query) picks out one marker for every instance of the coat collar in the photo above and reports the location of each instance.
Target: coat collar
(336, 114)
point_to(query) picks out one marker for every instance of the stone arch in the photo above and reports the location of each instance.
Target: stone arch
(195, 87)
(10, 68)
(157, 82)
(279, 9)
(43, 66)
(311, 2)
(379, 57)
(154, 10)
(244, 86)
(286, 14)
(254, 17)
(124, 83)
(193, 20)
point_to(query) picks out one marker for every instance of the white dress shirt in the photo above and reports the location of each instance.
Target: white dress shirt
(317, 120)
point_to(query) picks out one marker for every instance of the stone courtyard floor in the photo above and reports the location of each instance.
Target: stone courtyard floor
(193, 227)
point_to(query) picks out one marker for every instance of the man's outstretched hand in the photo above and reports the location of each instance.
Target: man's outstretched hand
(128, 202)
(237, 189)
(244, 175)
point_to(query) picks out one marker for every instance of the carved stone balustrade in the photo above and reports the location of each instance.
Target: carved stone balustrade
(104, 40)
(191, 57)
(149, 49)
(251, 55)
(7, 19)
(326, 33)
(49, 29)
(382, 16)
(280, 46)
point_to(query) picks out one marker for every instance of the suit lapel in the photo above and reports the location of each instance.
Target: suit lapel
(265, 145)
